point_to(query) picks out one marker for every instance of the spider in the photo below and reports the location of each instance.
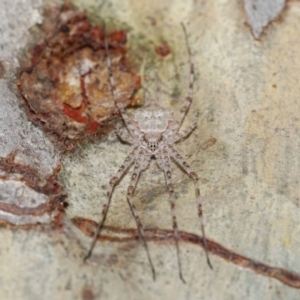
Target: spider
(152, 131)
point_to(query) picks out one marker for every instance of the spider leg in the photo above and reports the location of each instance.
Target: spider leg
(123, 135)
(188, 100)
(178, 159)
(180, 135)
(147, 95)
(164, 163)
(131, 127)
(114, 180)
(139, 167)
(157, 99)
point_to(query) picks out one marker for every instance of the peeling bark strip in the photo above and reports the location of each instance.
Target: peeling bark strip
(24, 199)
(159, 235)
(65, 83)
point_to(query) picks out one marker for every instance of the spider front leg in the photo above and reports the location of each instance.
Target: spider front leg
(188, 100)
(129, 124)
(138, 168)
(114, 180)
(123, 135)
(180, 135)
(182, 163)
(164, 163)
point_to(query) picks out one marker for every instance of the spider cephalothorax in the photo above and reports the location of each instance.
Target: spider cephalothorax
(153, 132)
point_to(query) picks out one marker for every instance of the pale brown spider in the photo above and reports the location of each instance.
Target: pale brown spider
(152, 131)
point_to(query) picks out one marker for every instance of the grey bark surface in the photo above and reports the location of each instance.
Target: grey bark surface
(247, 93)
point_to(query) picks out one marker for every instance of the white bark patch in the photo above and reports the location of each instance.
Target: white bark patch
(261, 12)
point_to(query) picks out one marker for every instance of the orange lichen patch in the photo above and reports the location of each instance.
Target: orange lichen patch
(66, 84)
(163, 49)
(208, 143)
(119, 37)
(87, 294)
(136, 101)
(25, 199)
